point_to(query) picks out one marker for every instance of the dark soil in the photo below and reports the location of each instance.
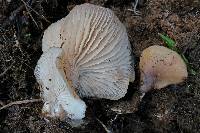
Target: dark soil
(175, 108)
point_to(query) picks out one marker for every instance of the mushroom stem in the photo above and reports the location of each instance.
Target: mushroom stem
(147, 82)
(59, 97)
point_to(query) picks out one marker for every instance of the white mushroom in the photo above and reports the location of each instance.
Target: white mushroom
(92, 58)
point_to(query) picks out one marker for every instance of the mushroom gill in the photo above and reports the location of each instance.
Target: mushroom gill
(160, 67)
(95, 62)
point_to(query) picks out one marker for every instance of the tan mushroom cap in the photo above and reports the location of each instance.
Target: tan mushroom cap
(160, 67)
(97, 60)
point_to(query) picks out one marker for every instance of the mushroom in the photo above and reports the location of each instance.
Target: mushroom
(85, 54)
(160, 67)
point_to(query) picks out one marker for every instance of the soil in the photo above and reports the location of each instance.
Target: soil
(175, 108)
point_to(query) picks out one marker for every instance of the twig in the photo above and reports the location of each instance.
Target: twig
(20, 102)
(104, 126)
(135, 7)
(26, 6)
(8, 68)
(1, 103)
(15, 12)
(134, 4)
(42, 16)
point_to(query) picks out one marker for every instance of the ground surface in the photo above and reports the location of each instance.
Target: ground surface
(175, 108)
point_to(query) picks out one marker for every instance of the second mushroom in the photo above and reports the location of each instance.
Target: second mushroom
(160, 67)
